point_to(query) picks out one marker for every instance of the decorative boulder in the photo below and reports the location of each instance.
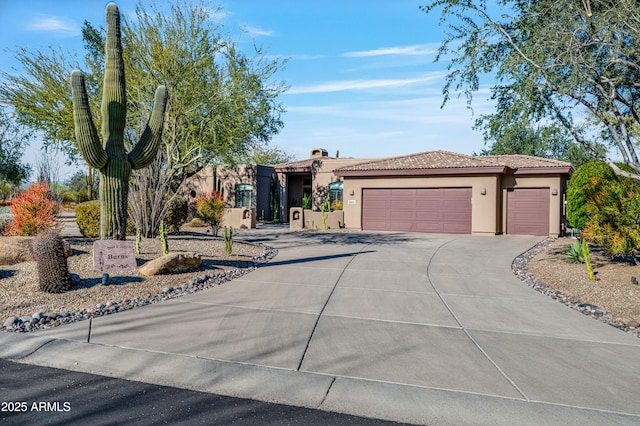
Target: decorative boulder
(18, 249)
(171, 263)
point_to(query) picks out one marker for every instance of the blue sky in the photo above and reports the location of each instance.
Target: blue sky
(361, 73)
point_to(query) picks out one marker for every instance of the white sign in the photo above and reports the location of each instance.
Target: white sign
(351, 202)
(113, 255)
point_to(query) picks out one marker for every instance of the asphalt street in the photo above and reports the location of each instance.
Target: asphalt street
(33, 395)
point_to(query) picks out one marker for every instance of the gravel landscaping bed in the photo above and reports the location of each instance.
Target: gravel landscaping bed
(23, 307)
(613, 298)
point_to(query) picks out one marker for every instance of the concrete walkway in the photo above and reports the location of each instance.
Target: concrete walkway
(428, 329)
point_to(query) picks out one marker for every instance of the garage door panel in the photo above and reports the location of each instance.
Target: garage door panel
(401, 215)
(528, 211)
(428, 204)
(427, 215)
(402, 204)
(435, 210)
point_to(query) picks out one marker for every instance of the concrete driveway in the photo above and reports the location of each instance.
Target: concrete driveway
(418, 328)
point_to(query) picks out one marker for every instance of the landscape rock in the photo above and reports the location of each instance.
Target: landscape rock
(18, 249)
(9, 322)
(171, 263)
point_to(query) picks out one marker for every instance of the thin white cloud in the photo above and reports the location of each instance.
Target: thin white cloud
(414, 50)
(303, 57)
(257, 32)
(344, 85)
(59, 25)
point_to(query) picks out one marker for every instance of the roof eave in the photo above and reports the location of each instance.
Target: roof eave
(567, 170)
(299, 169)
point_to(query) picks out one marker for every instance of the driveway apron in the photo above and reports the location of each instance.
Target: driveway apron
(411, 327)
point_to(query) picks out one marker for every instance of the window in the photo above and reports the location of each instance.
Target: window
(335, 192)
(244, 195)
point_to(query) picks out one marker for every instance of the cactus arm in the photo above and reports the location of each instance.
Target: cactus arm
(144, 152)
(114, 98)
(85, 129)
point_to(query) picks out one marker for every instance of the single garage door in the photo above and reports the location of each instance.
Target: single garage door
(528, 211)
(439, 210)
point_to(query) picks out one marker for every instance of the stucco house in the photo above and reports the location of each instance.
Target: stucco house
(271, 191)
(444, 192)
(435, 191)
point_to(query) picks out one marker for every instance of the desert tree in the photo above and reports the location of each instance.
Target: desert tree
(573, 64)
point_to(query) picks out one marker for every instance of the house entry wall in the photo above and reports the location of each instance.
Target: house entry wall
(436, 210)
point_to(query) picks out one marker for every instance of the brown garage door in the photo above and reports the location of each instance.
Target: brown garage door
(440, 210)
(528, 211)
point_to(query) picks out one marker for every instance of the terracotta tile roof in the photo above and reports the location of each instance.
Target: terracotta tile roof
(527, 161)
(449, 160)
(424, 160)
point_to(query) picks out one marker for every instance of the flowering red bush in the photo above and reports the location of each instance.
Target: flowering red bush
(210, 208)
(33, 211)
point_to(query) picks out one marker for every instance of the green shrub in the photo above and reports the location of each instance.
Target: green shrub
(88, 218)
(584, 183)
(176, 214)
(614, 213)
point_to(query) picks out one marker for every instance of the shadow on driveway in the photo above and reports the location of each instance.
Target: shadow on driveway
(313, 259)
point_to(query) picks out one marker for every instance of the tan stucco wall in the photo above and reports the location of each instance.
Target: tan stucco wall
(555, 183)
(200, 183)
(322, 176)
(485, 208)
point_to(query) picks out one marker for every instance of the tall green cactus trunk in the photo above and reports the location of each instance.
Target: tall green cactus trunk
(109, 156)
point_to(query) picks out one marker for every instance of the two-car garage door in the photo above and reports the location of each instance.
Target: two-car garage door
(438, 210)
(448, 210)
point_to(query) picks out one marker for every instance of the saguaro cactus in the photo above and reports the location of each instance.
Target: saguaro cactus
(109, 156)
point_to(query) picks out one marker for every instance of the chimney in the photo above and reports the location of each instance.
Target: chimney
(319, 152)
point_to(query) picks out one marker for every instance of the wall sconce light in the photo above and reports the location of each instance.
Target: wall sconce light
(554, 191)
(483, 191)
(352, 193)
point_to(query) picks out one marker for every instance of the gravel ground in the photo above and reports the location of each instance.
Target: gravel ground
(23, 307)
(613, 297)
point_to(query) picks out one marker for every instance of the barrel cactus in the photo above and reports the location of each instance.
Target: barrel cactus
(53, 270)
(108, 155)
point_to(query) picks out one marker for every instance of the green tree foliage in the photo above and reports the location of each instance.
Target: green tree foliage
(505, 137)
(223, 104)
(76, 187)
(223, 101)
(559, 61)
(13, 140)
(266, 155)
